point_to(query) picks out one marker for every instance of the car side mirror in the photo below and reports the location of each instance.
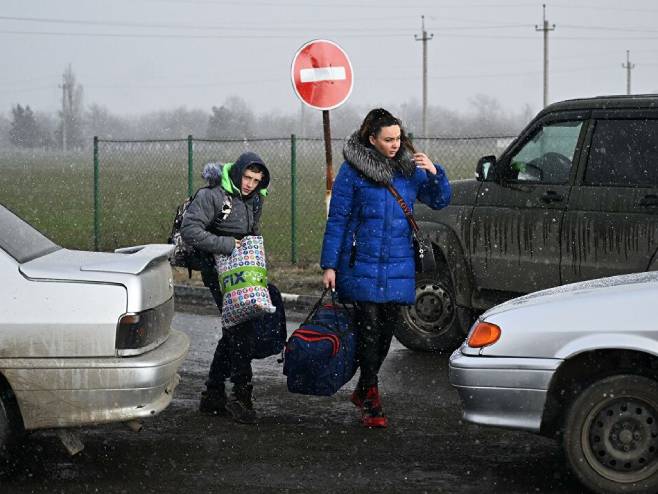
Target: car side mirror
(484, 167)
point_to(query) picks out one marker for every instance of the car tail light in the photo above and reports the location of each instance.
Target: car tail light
(484, 334)
(141, 331)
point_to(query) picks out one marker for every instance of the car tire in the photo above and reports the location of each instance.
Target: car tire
(611, 435)
(11, 426)
(434, 323)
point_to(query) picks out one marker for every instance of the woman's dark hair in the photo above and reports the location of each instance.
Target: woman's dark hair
(373, 123)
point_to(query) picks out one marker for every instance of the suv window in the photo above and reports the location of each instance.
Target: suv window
(548, 156)
(624, 152)
(20, 240)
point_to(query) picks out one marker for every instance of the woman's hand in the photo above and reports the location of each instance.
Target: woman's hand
(422, 161)
(329, 278)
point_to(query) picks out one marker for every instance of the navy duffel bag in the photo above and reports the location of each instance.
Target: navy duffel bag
(270, 329)
(320, 356)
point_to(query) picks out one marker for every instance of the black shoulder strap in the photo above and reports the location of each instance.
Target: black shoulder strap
(193, 196)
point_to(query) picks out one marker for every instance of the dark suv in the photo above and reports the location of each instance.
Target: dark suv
(574, 197)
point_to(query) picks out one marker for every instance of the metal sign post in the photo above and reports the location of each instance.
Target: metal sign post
(326, 125)
(322, 79)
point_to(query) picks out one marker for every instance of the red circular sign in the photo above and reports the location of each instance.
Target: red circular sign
(322, 74)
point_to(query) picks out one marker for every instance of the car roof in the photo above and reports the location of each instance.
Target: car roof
(633, 101)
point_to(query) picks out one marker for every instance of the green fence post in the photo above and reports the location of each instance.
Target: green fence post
(97, 198)
(190, 165)
(293, 198)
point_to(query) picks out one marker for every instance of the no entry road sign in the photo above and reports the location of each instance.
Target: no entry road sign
(322, 74)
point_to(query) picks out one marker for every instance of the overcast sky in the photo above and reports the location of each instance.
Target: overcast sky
(135, 56)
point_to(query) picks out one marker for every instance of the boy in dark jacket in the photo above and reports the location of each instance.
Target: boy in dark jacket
(215, 222)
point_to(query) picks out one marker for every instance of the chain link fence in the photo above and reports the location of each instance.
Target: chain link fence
(130, 194)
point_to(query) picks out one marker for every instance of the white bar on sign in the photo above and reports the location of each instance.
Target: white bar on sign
(322, 74)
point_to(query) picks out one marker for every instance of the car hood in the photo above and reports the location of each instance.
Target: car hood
(597, 288)
(608, 313)
(144, 270)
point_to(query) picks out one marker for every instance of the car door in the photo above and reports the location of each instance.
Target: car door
(515, 233)
(612, 223)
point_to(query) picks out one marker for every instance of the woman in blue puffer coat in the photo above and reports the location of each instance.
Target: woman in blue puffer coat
(367, 253)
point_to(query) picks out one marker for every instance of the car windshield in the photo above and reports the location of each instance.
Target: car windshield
(20, 240)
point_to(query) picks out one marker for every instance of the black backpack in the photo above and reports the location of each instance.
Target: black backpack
(184, 255)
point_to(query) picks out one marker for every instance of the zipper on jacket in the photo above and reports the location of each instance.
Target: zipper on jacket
(353, 251)
(352, 260)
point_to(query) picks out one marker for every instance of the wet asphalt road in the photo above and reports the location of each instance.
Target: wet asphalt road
(301, 443)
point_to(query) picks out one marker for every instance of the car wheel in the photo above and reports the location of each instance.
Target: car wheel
(434, 322)
(6, 432)
(611, 435)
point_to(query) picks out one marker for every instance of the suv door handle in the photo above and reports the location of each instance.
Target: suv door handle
(649, 200)
(551, 196)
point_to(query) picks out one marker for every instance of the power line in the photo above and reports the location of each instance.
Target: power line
(610, 28)
(591, 7)
(376, 4)
(196, 27)
(280, 27)
(186, 36)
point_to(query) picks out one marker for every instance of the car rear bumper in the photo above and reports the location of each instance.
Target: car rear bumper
(503, 392)
(80, 391)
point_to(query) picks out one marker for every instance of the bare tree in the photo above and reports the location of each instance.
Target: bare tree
(234, 119)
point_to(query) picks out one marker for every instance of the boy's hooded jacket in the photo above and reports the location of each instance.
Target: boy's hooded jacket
(205, 227)
(368, 238)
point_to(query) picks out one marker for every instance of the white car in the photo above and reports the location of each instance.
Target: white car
(85, 337)
(577, 362)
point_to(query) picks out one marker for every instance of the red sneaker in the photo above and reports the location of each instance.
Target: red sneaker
(372, 414)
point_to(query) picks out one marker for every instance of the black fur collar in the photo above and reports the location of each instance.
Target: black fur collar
(373, 165)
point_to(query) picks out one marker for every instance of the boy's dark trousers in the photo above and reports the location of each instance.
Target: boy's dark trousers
(236, 346)
(232, 357)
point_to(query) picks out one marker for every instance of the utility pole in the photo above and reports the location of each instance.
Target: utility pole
(545, 29)
(64, 116)
(424, 38)
(628, 66)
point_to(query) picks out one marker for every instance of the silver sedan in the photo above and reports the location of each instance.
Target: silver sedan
(579, 363)
(85, 337)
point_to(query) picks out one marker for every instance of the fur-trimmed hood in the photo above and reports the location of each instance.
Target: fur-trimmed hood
(375, 166)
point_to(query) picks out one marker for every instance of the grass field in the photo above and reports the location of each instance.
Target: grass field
(141, 184)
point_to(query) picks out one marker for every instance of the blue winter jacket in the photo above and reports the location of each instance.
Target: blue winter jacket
(368, 239)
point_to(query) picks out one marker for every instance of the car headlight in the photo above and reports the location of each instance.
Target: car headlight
(483, 334)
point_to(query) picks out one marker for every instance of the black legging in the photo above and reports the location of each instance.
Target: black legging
(375, 325)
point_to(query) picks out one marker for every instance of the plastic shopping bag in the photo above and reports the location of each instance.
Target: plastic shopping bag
(243, 280)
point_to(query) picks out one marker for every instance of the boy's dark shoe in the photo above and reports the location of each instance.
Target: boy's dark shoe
(240, 406)
(372, 414)
(213, 402)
